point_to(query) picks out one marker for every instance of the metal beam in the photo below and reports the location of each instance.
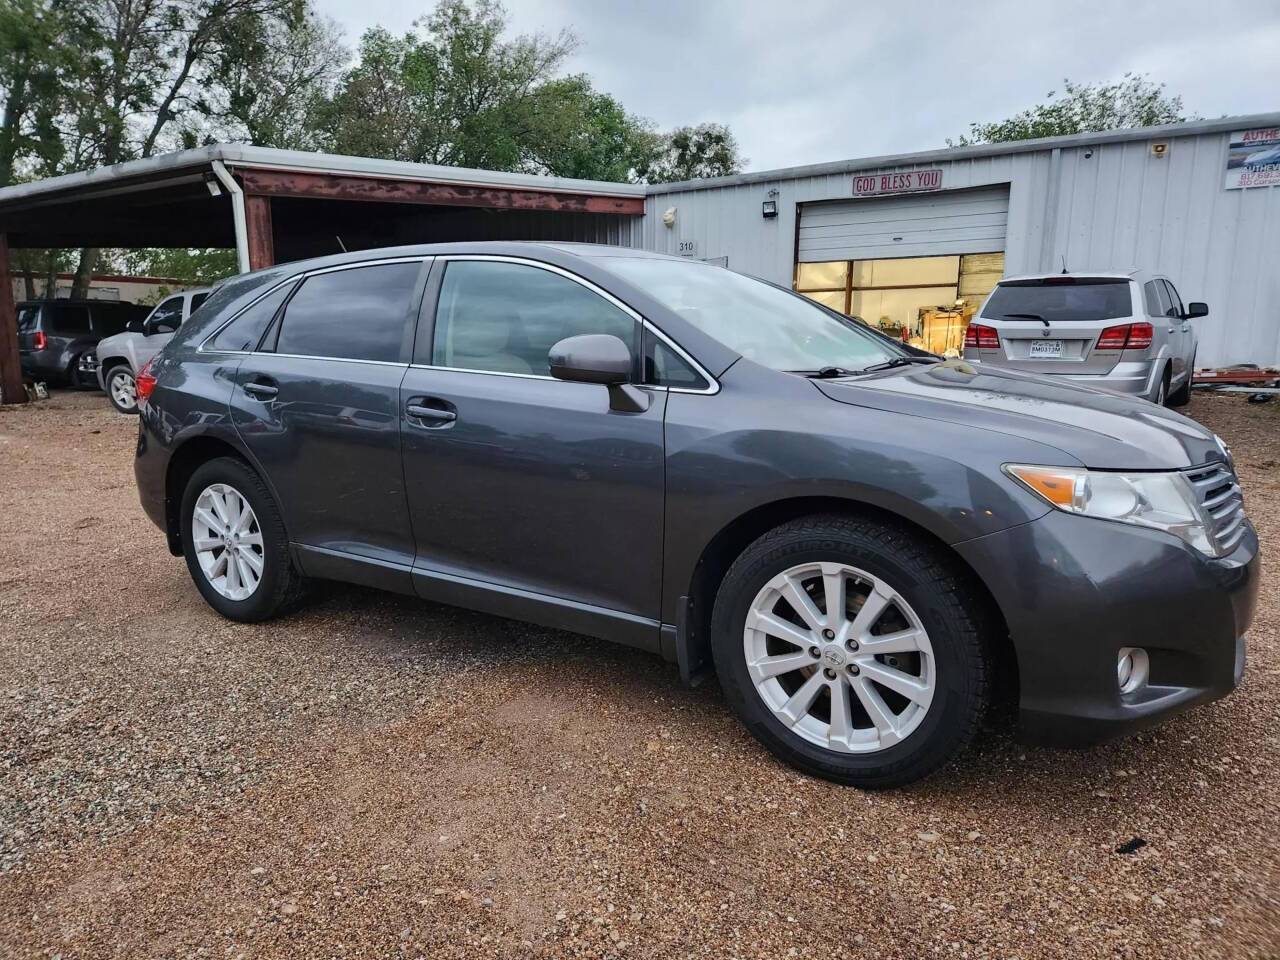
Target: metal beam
(326, 186)
(261, 239)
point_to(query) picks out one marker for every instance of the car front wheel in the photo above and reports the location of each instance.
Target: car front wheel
(122, 391)
(852, 649)
(235, 543)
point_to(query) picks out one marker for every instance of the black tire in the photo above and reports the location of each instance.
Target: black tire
(106, 379)
(1182, 396)
(281, 585)
(928, 580)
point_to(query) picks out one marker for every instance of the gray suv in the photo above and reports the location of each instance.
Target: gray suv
(867, 544)
(1129, 332)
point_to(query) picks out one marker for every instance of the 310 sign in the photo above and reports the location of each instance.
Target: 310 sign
(913, 181)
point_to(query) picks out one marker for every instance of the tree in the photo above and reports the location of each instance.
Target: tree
(1084, 108)
(275, 76)
(692, 153)
(191, 268)
(147, 74)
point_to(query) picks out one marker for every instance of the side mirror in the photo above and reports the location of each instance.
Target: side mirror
(134, 326)
(591, 358)
(1197, 309)
(153, 327)
(599, 358)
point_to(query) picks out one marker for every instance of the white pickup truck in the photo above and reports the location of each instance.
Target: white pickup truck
(121, 356)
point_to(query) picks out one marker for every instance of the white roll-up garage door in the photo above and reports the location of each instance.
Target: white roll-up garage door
(919, 225)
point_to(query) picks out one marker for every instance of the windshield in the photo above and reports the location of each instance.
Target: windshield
(1060, 299)
(759, 321)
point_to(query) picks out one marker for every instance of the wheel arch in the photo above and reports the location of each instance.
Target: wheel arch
(183, 462)
(694, 634)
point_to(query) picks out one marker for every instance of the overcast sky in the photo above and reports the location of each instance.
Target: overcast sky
(803, 82)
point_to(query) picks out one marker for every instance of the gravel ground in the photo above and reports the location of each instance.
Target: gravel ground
(380, 777)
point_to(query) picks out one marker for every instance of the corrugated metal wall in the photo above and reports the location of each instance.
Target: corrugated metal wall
(1110, 206)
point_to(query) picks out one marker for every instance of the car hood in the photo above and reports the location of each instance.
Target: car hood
(114, 342)
(1098, 428)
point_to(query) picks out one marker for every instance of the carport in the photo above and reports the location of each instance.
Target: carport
(274, 206)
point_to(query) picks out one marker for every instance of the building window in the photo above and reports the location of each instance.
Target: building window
(925, 301)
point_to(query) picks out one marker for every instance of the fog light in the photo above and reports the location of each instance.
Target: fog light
(1132, 666)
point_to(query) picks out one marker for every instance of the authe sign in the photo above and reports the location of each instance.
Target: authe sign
(911, 181)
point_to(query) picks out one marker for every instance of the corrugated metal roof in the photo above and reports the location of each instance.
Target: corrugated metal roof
(243, 155)
(1191, 128)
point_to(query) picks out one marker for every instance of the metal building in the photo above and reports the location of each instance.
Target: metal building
(914, 242)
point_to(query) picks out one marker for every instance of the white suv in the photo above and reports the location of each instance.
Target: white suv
(1128, 332)
(121, 356)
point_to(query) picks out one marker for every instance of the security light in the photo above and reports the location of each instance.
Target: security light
(211, 182)
(769, 209)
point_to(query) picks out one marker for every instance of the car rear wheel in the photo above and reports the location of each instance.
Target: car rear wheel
(235, 543)
(122, 391)
(852, 650)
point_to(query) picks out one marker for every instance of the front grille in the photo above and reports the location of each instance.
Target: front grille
(1220, 495)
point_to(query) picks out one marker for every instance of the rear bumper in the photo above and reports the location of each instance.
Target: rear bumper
(1137, 378)
(42, 365)
(1075, 590)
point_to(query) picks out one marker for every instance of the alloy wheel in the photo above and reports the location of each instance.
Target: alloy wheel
(228, 541)
(124, 391)
(839, 657)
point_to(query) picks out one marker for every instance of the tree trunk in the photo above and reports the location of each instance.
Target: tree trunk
(84, 273)
(27, 265)
(51, 274)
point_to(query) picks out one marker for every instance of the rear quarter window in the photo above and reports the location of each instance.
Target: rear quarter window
(1051, 299)
(28, 318)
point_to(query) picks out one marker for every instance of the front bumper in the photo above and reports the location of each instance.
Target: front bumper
(1074, 590)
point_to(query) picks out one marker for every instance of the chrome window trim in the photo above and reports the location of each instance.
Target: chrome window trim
(714, 385)
(297, 278)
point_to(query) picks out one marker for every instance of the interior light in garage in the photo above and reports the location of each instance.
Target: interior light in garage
(769, 209)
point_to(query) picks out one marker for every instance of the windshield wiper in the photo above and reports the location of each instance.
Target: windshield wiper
(898, 362)
(826, 373)
(1025, 316)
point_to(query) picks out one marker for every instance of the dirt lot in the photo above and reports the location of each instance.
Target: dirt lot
(381, 777)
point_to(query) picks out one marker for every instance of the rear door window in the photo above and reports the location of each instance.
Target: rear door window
(356, 314)
(108, 321)
(197, 299)
(1053, 299)
(67, 319)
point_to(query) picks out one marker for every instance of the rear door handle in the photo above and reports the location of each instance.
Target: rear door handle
(419, 409)
(261, 390)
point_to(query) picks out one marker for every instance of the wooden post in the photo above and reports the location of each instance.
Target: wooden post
(257, 216)
(11, 390)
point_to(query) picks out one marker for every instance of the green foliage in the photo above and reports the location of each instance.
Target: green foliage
(692, 153)
(1084, 108)
(191, 268)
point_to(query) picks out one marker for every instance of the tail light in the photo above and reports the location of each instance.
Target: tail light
(39, 341)
(1140, 336)
(144, 382)
(1125, 336)
(977, 335)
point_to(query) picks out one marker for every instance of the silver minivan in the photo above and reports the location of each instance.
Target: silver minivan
(1128, 332)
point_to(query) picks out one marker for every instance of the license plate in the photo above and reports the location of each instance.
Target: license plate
(1046, 348)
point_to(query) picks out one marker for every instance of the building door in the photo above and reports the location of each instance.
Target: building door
(916, 267)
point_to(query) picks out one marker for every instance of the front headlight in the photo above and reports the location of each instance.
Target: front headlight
(1164, 501)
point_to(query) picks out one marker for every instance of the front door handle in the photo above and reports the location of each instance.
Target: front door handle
(418, 409)
(261, 390)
